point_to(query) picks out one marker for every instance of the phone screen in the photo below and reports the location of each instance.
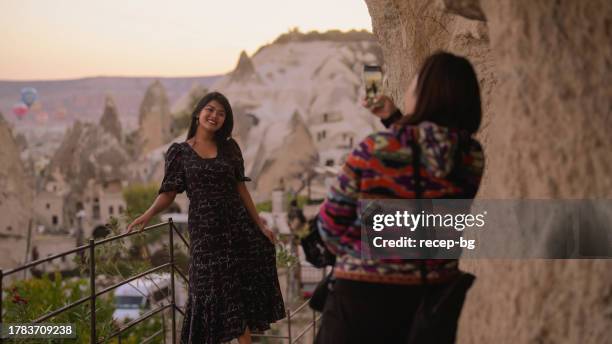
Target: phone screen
(372, 77)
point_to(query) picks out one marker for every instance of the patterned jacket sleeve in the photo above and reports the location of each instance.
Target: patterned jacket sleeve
(174, 171)
(338, 221)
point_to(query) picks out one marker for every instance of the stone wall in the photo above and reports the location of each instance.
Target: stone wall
(544, 69)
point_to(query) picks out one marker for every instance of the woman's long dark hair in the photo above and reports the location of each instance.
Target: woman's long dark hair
(447, 93)
(223, 135)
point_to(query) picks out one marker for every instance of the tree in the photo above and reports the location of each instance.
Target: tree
(138, 198)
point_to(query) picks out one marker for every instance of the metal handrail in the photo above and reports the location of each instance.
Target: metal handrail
(135, 322)
(306, 329)
(289, 336)
(297, 310)
(151, 337)
(181, 274)
(124, 235)
(179, 233)
(44, 260)
(82, 300)
(61, 310)
(79, 248)
(135, 277)
(269, 336)
(94, 295)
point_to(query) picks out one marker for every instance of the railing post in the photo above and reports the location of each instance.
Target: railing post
(164, 323)
(171, 240)
(92, 288)
(1, 298)
(289, 326)
(314, 326)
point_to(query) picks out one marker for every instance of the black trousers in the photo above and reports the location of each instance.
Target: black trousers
(369, 313)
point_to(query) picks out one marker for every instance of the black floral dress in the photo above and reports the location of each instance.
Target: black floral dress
(233, 282)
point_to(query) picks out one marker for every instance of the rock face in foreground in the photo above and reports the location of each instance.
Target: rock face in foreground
(15, 201)
(544, 69)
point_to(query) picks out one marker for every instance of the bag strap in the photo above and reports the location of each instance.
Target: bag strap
(418, 189)
(416, 157)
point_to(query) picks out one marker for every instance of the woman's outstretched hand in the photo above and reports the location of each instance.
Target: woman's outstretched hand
(266, 231)
(382, 106)
(140, 221)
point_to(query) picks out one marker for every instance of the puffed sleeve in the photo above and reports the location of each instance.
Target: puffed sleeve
(238, 162)
(174, 172)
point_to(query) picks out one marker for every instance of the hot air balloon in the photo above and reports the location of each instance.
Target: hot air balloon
(28, 95)
(20, 110)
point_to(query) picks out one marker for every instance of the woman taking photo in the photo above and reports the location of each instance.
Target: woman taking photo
(233, 282)
(375, 301)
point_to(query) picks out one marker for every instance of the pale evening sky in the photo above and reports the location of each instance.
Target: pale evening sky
(62, 39)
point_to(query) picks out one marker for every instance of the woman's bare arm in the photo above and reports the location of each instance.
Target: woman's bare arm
(250, 207)
(248, 203)
(162, 201)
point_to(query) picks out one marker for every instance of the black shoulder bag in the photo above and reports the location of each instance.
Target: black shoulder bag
(436, 318)
(318, 255)
(315, 250)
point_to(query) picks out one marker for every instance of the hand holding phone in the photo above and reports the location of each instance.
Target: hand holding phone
(382, 107)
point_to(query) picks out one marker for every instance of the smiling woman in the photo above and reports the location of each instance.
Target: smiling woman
(233, 282)
(152, 37)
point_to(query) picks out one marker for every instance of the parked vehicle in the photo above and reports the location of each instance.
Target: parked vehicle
(136, 297)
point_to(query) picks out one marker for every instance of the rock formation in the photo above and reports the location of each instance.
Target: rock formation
(187, 102)
(544, 69)
(183, 109)
(298, 153)
(15, 201)
(88, 153)
(245, 69)
(110, 118)
(155, 121)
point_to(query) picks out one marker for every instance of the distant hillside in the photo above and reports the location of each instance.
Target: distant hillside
(67, 100)
(295, 35)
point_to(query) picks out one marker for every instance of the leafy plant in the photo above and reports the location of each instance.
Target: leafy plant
(265, 206)
(138, 198)
(284, 258)
(26, 300)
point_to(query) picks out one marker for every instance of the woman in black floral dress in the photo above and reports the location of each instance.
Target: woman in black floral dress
(233, 282)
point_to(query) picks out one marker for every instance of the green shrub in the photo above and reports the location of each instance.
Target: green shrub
(27, 300)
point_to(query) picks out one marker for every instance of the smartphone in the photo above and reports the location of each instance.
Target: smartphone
(372, 77)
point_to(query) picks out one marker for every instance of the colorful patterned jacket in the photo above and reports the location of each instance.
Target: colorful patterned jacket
(381, 167)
